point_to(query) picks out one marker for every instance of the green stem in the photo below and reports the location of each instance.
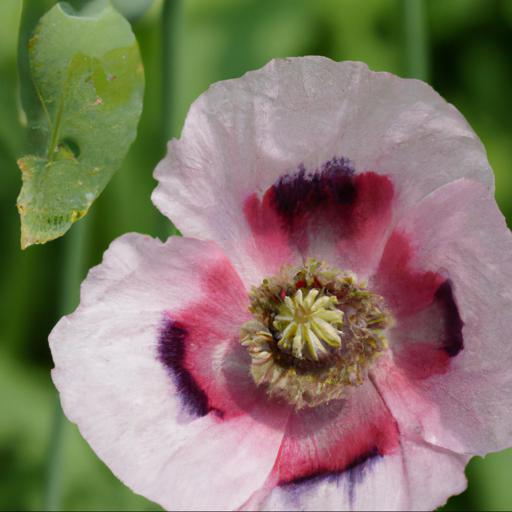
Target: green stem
(72, 273)
(53, 477)
(415, 31)
(172, 26)
(172, 15)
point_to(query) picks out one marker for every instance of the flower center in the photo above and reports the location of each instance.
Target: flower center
(307, 323)
(315, 331)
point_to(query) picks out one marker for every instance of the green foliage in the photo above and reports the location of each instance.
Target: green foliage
(132, 9)
(89, 81)
(470, 46)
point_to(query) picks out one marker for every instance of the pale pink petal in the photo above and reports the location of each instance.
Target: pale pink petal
(415, 477)
(242, 135)
(457, 396)
(352, 455)
(407, 289)
(134, 413)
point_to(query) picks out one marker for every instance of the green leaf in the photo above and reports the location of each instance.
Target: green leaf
(89, 78)
(32, 113)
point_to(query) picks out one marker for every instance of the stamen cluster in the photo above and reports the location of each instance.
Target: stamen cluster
(307, 323)
(315, 331)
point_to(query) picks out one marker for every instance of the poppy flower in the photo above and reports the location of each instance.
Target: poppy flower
(331, 331)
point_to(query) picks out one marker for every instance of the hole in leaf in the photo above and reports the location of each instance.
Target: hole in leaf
(71, 146)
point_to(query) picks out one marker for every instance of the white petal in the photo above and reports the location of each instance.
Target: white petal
(113, 385)
(242, 135)
(459, 232)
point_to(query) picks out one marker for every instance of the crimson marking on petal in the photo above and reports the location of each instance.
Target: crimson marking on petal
(267, 232)
(354, 471)
(171, 351)
(420, 361)
(405, 290)
(453, 341)
(332, 439)
(425, 297)
(423, 359)
(199, 345)
(351, 206)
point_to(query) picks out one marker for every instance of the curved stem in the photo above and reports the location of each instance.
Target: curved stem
(72, 270)
(415, 40)
(172, 25)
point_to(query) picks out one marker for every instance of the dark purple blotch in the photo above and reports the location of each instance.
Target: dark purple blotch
(453, 341)
(171, 352)
(303, 192)
(357, 470)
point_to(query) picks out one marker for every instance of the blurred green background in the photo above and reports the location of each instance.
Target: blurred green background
(469, 44)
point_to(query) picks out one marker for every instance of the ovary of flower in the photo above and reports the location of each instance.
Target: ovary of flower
(309, 322)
